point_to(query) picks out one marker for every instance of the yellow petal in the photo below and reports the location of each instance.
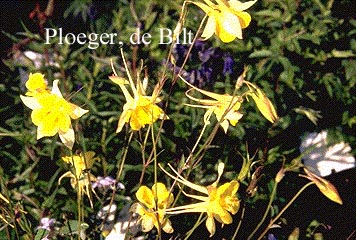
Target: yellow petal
(124, 117)
(77, 112)
(145, 196)
(167, 226)
(63, 122)
(209, 28)
(222, 215)
(67, 137)
(55, 89)
(164, 197)
(36, 84)
(227, 194)
(118, 80)
(148, 222)
(233, 117)
(46, 123)
(225, 125)
(30, 102)
(264, 105)
(325, 187)
(239, 6)
(244, 19)
(228, 27)
(210, 225)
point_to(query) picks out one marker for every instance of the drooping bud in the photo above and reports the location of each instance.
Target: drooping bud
(264, 105)
(325, 187)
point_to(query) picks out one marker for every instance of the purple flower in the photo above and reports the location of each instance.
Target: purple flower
(105, 183)
(47, 223)
(209, 63)
(271, 237)
(205, 56)
(228, 64)
(102, 182)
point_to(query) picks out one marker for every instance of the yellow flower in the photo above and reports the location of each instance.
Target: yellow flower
(151, 207)
(51, 113)
(219, 202)
(325, 187)
(139, 109)
(80, 162)
(36, 84)
(81, 178)
(264, 105)
(225, 107)
(226, 18)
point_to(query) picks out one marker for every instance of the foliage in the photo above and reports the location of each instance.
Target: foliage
(297, 57)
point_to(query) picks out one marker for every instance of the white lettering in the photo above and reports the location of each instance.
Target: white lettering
(93, 44)
(48, 36)
(162, 36)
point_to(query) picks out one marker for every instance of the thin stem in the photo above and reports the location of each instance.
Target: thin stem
(274, 190)
(197, 223)
(240, 222)
(119, 172)
(284, 209)
(196, 144)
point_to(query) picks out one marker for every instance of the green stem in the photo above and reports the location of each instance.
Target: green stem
(284, 209)
(119, 171)
(197, 223)
(274, 190)
(240, 222)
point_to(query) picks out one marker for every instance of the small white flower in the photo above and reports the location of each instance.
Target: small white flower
(123, 222)
(324, 159)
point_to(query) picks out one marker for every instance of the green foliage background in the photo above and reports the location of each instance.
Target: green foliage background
(301, 53)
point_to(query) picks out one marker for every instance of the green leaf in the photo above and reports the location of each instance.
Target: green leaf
(261, 53)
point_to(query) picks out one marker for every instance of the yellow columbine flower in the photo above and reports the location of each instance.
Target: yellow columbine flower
(139, 109)
(226, 18)
(151, 207)
(219, 202)
(325, 187)
(225, 107)
(51, 113)
(80, 178)
(36, 84)
(264, 105)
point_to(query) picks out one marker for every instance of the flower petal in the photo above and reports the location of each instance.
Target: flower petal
(325, 187)
(239, 6)
(30, 102)
(228, 27)
(210, 225)
(209, 28)
(55, 89)
(146, 196)
(167, 226)
(77, 112)
(148, 222)
(67, 138)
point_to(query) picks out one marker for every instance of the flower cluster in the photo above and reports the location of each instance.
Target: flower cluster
(210, 63)
(139, 109)
(218, 202)
(152, 207)
(155, 204)
(80, 177)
